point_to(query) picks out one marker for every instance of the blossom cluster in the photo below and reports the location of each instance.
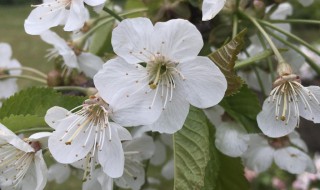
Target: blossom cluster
(156, 74)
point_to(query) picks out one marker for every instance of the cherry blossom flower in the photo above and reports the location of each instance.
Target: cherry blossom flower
(21, 162)
(173, 76)
(86, 132)
(289, 153)
(135, 152)
(59, 173)
(288, 101)
(71, 13)
(74, 58)
(10, 85)
(210, 8)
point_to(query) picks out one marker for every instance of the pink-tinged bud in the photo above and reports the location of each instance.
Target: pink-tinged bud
(54, 78)
(259, 5)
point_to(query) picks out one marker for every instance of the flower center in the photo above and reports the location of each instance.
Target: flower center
(287, 94)
(92, 119)
(279, 142)
(14, 164)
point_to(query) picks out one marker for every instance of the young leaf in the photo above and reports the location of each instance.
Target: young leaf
(21, 122)
(198, 164)
(225, 58)
(36, 101)
(243, 107)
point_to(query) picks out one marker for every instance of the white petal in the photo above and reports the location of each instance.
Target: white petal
(295, 139)
(214, 114)
(94, 2)
(204, 83)
(144, 145)
(70, 59)
(9, 137)
(14, 64)
(140, 131)
(314, 103)
(90, 64)
(123, 133)
(173, 38)
(54, 115)
(77, 16)
(293, 160)
(117, 85)
(259, 155)
(283, 10)
(133, 35)
(98, 181)
(305, 2)
(59, 172)
(133, 178)
(272, 127)
(11, 87)
(76, 150)
(231, 139)
(210, 8)
(52, 38)
(174, 115)
(42, 18)
(160, 153)
(41, 171)
(5, 52)
(111, 157)
(168, 170)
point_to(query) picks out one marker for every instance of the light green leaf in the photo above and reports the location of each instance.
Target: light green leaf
(18, 123)
(243, 107)
(101, 40)
(198, 164)
(225, 58)
(36, 101)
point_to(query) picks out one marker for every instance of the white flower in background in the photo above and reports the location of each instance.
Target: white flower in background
(289, 153)
(306, 72)
(306, 2)
(8, 86)
(288, 101)
(87, 132)
(21, 162)
(304, 180)
(135, 152)
(71, 13)
(59, 173)
(214, 114)
(281, 13)
(210, 8)
(173, 76)
(74, 58)
(231, 139)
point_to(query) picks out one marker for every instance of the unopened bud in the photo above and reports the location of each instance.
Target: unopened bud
(54, 78)
(259, 5)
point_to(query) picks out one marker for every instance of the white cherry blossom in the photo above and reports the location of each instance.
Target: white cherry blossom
(87, 132)
(21, 163)
(59, 173)
(289, 153)
(170, 75)
(73, 57)
(288, 101)
(210, 8)
(8, 86)
(51, 13)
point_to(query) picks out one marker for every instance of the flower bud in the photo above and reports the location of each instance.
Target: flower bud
(54, 78)
(284, 69)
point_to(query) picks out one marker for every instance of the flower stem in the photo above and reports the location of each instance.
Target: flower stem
(294, 37)
(30, 70)
(112, 13)
(267, 37)
(24, 77)
(298, 21)
(235, 26)
(34, 130)
(312, 64)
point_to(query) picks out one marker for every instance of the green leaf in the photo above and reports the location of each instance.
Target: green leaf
(21, 122)
(243, 107)
(36, 101)
(226, 57)
(198, 164)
